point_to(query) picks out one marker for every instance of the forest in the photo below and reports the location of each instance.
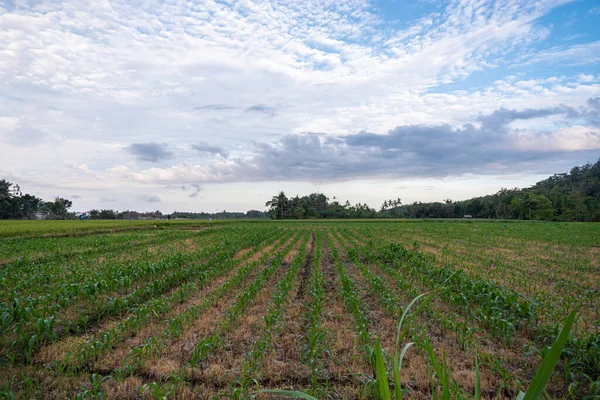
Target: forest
(571, 196)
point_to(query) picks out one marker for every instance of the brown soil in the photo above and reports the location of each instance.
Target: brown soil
(180, 352)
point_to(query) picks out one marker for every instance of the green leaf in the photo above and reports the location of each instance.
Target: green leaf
(406, 310)
(412, 303)
(544, 372)
(380, 373)
(397, 368)
(290, 393)
(444, 378)
(397, 387)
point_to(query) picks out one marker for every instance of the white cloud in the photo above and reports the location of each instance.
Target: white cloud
(83, 81)
(575, 55)
(573, 138)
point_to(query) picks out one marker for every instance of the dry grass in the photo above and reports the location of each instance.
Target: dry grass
(346, 366)
(179, 352)
(283, 363)
(345, 361)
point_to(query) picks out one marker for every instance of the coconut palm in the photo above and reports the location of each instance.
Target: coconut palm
(278, 204)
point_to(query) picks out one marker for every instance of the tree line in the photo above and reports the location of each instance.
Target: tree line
(316, 205)
(251, 214)
(572, 196)
(16, 205)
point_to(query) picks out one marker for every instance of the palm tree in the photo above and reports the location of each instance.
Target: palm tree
(528, 201)
(384, 206)
(278, 204)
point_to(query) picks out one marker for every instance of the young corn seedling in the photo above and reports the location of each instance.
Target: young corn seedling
(385, 392)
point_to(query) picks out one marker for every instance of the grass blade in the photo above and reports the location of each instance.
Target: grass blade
(397, 386)
(406, 310)
(546, 368)
(397, 368)
(380, 373)
(444, 379)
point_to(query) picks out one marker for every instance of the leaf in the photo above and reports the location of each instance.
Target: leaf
(444, 379)
(546, 368)
(397, 385)
(290, 393)
(406, 310)
(382, 381)
(412, 303)
(397, 368)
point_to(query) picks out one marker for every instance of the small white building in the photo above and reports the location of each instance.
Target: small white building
(467, 216)
(41, 215)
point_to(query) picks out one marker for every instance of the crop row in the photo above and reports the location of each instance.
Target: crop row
(251, 366)
(175, 327)
(156, 308)
(500, 310)
(315, 346)
(31, 325)
(24, 252)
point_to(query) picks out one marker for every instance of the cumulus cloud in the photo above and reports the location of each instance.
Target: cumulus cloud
(151, 152)
(485, 146)
(236, 86)
(150, 198)
(205, 149)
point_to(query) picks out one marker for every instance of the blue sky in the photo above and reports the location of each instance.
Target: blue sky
(213, 105)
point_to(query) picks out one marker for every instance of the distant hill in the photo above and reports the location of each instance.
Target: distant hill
(572, 196)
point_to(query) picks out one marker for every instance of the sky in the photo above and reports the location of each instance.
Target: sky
(218, 105)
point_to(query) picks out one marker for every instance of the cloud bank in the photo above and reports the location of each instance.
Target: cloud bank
(124, 98)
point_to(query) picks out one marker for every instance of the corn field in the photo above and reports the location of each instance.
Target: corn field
(240, 310)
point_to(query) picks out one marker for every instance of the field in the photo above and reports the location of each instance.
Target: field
(187, 310)
(28, 229)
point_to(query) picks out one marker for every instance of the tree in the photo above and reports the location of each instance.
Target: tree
(9, 199)
(573, 196)
(15, 204)
(384, 206)
(528, 202)
(60, 206)
(107, 214)
(502, 200)
(255, 214)
(516, 206)
(28, 204)
(278, 205)
(543, 208)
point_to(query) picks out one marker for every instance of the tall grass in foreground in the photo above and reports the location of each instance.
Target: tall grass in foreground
(534, 391)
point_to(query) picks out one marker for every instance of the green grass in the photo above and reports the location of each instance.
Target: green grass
(12, 228)
(75, 292)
